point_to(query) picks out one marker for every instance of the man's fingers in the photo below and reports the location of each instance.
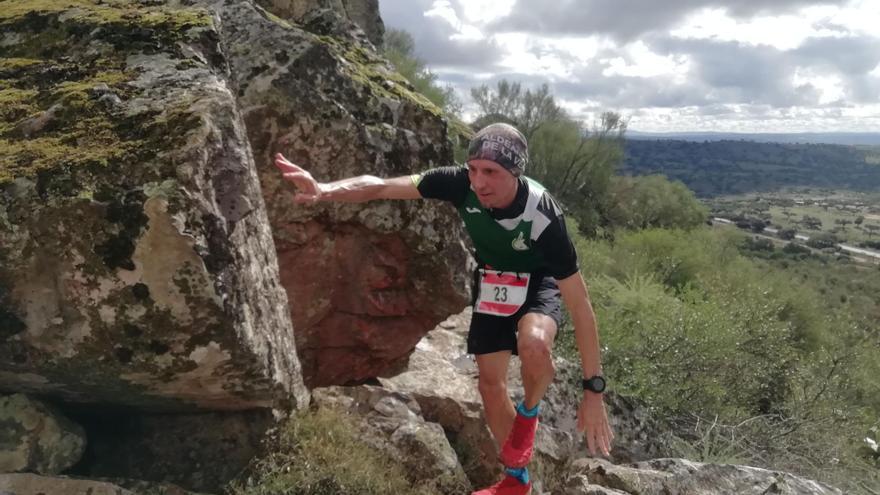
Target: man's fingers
(286, 165)
(606, 442)
(591, 440)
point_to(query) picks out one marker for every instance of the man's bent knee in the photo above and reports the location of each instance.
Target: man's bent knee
(492, 387)
(534, 343)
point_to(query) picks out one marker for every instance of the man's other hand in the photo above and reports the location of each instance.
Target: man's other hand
(592, 420)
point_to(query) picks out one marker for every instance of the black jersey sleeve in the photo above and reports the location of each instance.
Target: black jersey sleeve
(444, 183)
(555, 243)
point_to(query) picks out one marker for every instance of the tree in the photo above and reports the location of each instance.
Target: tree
(528, 110)
(787, 234)
(653, 201)
(823, 241)
(399, 49)
(811, 223)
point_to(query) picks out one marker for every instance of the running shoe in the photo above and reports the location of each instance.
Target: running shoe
(517, 449)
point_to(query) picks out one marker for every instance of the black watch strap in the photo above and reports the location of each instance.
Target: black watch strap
(594, 384)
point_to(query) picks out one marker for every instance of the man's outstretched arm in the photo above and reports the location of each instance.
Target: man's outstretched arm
(352, 190)
(592, 416)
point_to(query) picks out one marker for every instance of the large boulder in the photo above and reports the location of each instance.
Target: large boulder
(136, 262)
(35, 437)
(366, 281)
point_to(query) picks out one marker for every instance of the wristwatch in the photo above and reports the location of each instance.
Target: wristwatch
(594, 384)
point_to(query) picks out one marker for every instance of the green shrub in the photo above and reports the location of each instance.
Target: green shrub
(781, 366)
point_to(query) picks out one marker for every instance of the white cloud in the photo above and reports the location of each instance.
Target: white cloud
(528, 56)
(743, 65)
(640, 61)
(485, 11)
(830, 87)
(443, 10)
(783, 32)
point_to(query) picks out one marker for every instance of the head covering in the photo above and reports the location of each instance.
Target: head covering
(502, 144)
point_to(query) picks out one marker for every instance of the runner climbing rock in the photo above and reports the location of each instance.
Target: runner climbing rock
(527, 266)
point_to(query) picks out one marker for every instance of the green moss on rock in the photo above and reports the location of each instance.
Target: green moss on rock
(373, 72)
(51, 115)
(102, 12)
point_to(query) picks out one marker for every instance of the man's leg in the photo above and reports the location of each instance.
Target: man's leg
(492, 384)
(535, 335)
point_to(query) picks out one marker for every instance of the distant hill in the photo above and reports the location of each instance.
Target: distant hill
(845, 138)
(712, 168)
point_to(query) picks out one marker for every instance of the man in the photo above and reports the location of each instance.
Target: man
(526, 261)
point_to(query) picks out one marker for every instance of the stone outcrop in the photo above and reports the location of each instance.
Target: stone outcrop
(35, 437)
(365, 282)
(136, 262)
(140, 216)
(392, 423)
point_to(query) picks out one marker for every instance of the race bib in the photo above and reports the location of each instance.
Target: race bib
(501, 293)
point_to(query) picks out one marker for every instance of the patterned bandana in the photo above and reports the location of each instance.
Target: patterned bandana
(502, 144)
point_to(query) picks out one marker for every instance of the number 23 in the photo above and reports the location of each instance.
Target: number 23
(501, 294)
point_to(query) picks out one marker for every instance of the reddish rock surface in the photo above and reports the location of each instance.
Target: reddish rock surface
(364, 281)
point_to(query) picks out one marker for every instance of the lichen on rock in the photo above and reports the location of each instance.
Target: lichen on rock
(130, 236)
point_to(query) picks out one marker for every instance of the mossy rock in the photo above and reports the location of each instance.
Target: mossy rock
(61, 75)
(124, 272)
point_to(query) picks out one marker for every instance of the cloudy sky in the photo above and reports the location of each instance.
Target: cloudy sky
(669, 65)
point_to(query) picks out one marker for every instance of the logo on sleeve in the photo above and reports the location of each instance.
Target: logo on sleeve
(519, 243)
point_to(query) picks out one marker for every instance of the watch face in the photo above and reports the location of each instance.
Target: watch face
(595, 384)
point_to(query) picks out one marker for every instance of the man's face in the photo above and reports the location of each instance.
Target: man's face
(493, 184)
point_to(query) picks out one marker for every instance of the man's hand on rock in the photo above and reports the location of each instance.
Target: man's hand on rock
(308, 189)
(592, 420)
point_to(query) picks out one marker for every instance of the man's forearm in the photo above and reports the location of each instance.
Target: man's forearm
(353, 190)
(586, 334)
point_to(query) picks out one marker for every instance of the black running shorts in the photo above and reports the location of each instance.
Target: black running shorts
(490, 333)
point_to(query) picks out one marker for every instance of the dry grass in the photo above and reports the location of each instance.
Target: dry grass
(319, 453)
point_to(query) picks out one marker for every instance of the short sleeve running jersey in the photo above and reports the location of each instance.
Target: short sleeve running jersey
(528, 236)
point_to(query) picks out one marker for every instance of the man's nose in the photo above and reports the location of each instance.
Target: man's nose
(478, 181)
